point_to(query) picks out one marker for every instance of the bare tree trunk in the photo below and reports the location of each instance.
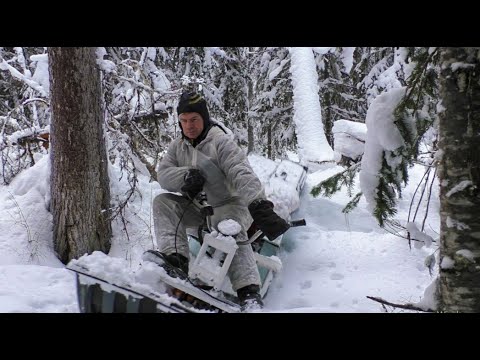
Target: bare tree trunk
(328, 121)
(79, 178)
(269, 141)
(459, 285)
(250, 137)
(312, 143)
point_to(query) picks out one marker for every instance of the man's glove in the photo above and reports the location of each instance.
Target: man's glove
(266, 219)
(194, 182)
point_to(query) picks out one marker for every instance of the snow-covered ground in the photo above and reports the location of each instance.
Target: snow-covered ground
(330, 265)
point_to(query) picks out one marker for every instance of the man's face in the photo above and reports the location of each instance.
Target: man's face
(192, 124)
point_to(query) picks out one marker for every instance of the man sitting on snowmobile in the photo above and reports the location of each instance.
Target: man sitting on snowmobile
(207, 158)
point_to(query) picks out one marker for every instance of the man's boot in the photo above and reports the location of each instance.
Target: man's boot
(249, 297)
(175, 265)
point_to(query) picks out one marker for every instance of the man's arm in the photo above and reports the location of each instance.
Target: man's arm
(170, 175)
(234, 163)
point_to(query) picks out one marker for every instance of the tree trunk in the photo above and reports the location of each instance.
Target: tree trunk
(328, 121)
(459, 285)
(79, 179)
(269, 140)
(250, 134)
(312, 143)
(251, 138)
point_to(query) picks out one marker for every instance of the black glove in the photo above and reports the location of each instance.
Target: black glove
(194, 182)
(266, 219)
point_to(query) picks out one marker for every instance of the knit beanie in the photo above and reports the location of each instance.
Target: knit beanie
(193, 102)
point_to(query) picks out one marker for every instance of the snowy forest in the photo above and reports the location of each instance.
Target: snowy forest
(379, 111)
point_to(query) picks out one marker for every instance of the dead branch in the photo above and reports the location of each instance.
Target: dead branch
(401, 306)
(429, 197)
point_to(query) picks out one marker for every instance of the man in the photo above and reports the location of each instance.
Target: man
(206, 158)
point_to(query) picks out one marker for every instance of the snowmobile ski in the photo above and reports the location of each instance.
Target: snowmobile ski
(96, 295)
(194, 292)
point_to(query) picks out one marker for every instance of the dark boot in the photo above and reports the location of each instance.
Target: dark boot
(175, 265)
(178, 261)
(249, 297)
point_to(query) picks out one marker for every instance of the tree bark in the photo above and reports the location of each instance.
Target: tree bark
(459, 173)
(250, 137)
(79, 179)
(250, 128)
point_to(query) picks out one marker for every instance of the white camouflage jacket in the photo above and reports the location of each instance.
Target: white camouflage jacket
(229, 176)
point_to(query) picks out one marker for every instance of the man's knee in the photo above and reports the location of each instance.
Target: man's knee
(164, 202)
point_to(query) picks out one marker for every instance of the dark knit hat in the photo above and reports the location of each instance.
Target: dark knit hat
(193, 102)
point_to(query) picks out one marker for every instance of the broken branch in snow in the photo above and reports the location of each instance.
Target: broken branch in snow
(401, 306)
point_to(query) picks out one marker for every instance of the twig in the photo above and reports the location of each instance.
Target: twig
(150, 218)
(142, 134)
(23, 220)
(421, 195)
(35, 99)
(429, 197)
(419, 76)
(401, 306)
(415, 193)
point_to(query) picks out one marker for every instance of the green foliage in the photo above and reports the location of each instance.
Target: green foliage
(370, 64)
(416, 113)
(271, 107)
(385, 206)
(231, 78)
(339, 95)
(352, 204)
(334, 183)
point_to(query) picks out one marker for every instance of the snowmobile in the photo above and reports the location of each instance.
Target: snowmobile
(206, 287)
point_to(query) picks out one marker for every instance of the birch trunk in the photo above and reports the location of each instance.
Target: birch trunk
(459, 285)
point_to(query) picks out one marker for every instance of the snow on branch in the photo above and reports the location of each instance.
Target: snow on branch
(17, 74)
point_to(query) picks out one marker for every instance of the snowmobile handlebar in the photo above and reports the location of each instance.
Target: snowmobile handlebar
(201, 202)
(259, 233)
(300, 222)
